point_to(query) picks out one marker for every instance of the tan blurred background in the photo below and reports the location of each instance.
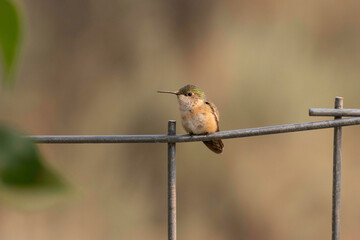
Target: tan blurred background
(93, 67)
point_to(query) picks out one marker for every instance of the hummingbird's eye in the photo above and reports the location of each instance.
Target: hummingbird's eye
(189, 94)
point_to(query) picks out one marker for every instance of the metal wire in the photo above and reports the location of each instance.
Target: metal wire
(336, 194)
(172, 183)
(172, 139)
(194, 138)
(334, 112)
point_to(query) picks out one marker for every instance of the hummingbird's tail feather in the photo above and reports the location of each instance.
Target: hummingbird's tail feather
(216, 146)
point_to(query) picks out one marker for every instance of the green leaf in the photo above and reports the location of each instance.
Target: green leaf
(25, 181)
(9, 38)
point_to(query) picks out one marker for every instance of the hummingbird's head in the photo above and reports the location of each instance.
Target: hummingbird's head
(188, 96)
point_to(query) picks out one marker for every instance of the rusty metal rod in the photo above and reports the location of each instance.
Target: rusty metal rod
(172, 182)
(339, 103)
(187, 138)
(334, 112)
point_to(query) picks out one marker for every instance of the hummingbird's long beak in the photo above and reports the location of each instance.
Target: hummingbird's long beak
(176, 93)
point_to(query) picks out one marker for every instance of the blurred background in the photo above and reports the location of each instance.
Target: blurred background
(93, 67)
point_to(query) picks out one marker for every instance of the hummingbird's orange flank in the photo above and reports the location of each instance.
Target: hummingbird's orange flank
(198, 115)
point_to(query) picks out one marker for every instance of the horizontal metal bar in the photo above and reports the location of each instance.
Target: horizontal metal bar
(194, 138)
(334, 112)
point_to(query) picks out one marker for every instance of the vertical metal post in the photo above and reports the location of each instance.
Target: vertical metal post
(339, 104)
(171, 183)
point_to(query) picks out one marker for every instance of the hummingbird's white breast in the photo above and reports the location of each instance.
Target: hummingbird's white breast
(197, 117)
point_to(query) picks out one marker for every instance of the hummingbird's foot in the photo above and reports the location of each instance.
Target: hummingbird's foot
(191, 134)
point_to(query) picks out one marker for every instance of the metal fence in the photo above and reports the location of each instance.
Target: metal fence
(171, 139)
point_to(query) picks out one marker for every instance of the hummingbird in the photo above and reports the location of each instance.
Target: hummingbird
(198, 115)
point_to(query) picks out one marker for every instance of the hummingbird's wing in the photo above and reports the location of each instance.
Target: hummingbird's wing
(217, 146)
(215, 112)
